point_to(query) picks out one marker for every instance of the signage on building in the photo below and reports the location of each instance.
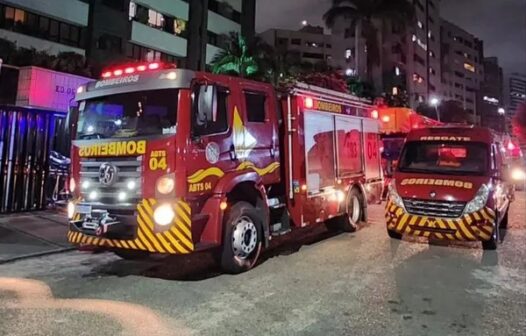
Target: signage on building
(47, 89)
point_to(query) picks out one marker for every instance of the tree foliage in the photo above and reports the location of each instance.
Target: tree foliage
(68, 62)
(235, 59)
(519, 122)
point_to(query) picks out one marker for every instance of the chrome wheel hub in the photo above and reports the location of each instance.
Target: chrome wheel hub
(354, 210)
(244, 237)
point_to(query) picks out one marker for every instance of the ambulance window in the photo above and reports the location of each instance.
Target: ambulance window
(255, 104)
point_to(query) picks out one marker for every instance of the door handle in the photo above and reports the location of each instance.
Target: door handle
(232, 153)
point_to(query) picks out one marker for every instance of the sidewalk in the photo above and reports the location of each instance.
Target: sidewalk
(32, 234)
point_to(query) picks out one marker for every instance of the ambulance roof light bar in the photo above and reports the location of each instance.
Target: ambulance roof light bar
(128, 70)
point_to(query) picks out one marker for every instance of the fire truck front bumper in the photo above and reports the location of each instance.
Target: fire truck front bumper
(476, 226)
(101, 229)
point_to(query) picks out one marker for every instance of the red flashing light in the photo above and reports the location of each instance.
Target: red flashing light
(106, 74)
(309, 103)
(141, 68)
(117, 72)
(153, 66)
(129, 70)
(386, 119)
(374, 114)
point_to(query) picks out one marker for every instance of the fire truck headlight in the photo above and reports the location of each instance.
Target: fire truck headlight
(479, 201)
(71, 210)
(164, 215)
(340, 196)
(393, 195)
(518, 174)
(165, 184)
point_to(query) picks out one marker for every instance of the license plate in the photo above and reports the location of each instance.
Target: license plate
(90, 225)
(83, 209)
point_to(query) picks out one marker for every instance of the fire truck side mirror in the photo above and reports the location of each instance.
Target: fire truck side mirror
(71, 121)
(206, 105)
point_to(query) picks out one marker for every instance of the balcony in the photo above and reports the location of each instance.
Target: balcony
(72, 11)
(26, 41)
(147, 36)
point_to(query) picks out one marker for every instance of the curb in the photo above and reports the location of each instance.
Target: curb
(37, 254)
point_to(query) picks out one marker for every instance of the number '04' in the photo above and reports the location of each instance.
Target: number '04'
(157, 163)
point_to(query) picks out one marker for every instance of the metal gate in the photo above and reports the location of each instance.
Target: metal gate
(27, 137)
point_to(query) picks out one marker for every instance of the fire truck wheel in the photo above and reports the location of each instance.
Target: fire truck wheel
(354, 211)
(494, 240)
(242, 240)
(131, 255)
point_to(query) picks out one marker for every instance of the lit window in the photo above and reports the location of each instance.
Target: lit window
(420, 25)
(395, 90)
(397, 71)
(132, 10)
(414, 38)
(348, 53)
(469, 67)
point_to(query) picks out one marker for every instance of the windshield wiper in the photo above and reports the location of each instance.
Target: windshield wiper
(92, 136)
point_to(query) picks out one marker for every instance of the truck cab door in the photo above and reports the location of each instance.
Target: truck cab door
(211, 155)
(257, 122)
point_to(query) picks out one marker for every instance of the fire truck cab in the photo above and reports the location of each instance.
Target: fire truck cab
(172, 161)
(450, 183)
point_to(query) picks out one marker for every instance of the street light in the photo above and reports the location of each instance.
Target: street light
(435, 102)
(502, 113)
(304, 23)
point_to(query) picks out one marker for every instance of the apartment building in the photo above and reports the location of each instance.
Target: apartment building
(517, 89)
(179, 31)
(310, 45)
(462, 67)
(491, 96)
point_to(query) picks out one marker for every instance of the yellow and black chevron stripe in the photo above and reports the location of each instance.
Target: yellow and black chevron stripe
(470, 227)
(177, 239)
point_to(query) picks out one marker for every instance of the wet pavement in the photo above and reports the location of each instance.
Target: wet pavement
(360, 283)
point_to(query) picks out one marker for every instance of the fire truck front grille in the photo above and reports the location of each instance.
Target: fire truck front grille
(125, 189)
(434, 208)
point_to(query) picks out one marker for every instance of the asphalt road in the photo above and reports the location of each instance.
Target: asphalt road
(348, 284)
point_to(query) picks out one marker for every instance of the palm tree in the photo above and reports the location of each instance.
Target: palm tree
(361, 15)
(235, 59)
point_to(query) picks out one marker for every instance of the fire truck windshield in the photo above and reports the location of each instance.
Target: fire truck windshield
(450, 158)
(132, 114)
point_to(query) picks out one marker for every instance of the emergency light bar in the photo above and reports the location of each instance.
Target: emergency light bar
(132, 69)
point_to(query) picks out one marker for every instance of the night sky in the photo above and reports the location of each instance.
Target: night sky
(500, 23)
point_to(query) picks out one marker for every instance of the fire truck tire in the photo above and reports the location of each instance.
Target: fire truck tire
(394, 235)
(131, 255)
(242, 239)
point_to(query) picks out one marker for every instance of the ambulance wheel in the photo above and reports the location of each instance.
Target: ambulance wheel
(242, 239)
(131, 255)
(504, 222)
(494, 240)
(394, 234)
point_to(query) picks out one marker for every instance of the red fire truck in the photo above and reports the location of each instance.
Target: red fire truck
(172, 161)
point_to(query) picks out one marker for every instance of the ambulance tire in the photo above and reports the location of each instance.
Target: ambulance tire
(494, 240)
(504, 222)
(394, 235)
(242, 238)
(132, 255)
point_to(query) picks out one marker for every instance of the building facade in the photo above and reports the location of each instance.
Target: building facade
(491, 96)
(188, 33)
(309, 45)
(53, 26)
(408, 56)
(517, 95)
(462, 67)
